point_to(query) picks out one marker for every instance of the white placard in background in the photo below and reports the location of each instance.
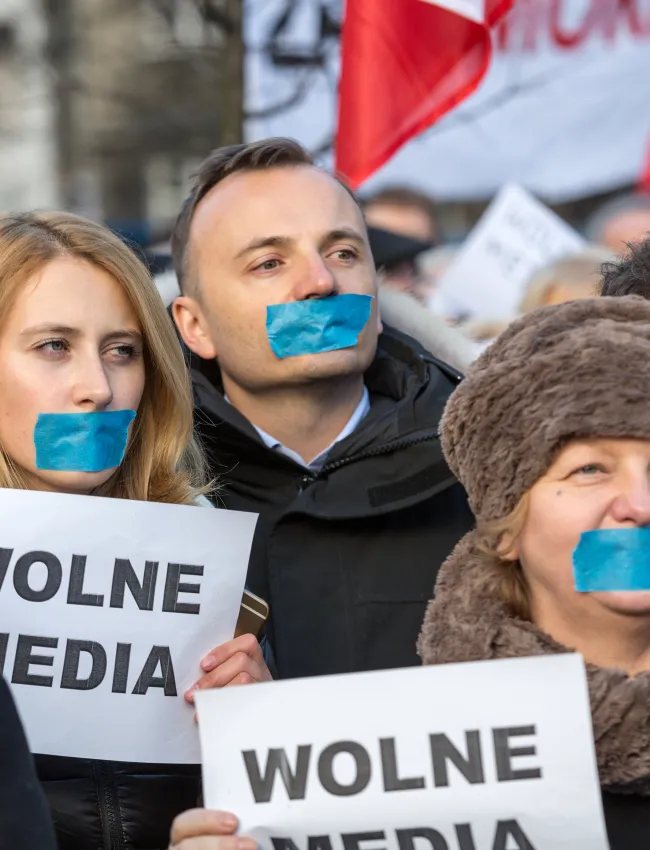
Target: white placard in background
(515, 237)
(495, 755)
(96, 674)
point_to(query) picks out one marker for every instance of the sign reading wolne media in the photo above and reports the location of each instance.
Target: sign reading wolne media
(106, 609)
(496, 755)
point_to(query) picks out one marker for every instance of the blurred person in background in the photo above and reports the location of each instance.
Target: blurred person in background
(620, 221)
(404, 210)
(433, 264)
(396, 258)
(629, 275)
(573, 277)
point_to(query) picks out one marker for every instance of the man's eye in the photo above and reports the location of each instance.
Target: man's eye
(267, 266)
(346, 254)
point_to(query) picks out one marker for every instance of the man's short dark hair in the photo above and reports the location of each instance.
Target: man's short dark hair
(407, 197)
(631, 274)
(221, 163)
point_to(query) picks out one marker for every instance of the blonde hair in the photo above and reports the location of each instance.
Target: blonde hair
(578, 273)
(497, 538)
(163, 462)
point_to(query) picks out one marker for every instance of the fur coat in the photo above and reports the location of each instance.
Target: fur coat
(468, 621)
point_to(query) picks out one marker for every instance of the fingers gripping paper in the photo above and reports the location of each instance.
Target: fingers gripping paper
(612, 559)
(496, 755)
(106, 608)
(317, 325)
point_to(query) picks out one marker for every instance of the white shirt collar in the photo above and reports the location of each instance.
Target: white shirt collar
(318, 462)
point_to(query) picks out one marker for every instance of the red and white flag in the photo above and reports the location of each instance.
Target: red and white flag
(405, 63)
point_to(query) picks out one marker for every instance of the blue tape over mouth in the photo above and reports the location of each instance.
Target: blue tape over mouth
(81, 442)
(317, 324)
(613, 559)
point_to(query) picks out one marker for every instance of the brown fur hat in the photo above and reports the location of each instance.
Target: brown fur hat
(579, 369)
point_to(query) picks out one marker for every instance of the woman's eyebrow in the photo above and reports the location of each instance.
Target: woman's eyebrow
(121, 334)
(51, 329)
(65, 330)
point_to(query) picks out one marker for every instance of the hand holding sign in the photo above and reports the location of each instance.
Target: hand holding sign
(202, 829)
(237, 662)
(106, 607)
(492, 755)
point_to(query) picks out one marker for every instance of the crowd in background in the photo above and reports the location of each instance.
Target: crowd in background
(411, 253)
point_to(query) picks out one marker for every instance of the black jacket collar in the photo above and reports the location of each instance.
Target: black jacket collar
(408, 390)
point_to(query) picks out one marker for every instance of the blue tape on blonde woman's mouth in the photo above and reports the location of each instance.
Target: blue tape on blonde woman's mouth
(81, 442)
(317, 325)
(612, 559)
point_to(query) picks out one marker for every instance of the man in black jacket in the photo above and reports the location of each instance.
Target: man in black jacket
(337, 450)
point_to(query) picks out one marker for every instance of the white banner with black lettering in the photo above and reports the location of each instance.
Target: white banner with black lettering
(496, 755)
(106, 609)
(563, 109)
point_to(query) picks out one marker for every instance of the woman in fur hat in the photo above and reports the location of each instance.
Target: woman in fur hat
(550, 435)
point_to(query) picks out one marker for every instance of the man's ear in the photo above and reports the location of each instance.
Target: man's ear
(193, 327)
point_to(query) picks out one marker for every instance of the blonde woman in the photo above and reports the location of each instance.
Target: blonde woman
(83, 331)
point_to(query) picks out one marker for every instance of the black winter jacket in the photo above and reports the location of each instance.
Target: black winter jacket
(101, 805)
(347, 558)
(24, 820)
(628, 821)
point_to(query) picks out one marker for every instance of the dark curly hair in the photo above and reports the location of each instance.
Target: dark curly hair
(630, 275)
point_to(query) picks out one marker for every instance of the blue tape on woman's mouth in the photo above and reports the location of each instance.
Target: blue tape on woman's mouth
(612, 559)
(82, 442)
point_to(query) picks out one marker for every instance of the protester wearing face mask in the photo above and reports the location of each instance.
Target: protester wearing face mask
(550, 434)
(84, 332)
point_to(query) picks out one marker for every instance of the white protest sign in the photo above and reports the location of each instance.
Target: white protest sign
(516, 236)
(106, 609)
(495, 755)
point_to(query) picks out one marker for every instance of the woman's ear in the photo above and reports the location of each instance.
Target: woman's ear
(507, 547)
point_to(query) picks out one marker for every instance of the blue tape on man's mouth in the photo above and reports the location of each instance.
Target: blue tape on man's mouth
(317, 325)
(81, 442)
(612, 559)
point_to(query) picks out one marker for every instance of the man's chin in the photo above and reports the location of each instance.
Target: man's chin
(329, 365)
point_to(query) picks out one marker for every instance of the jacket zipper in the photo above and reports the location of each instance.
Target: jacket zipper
(404, 443)
(109, 809)
(396, 445)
